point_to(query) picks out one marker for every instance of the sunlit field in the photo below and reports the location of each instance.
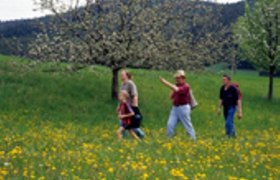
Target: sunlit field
(61, 125)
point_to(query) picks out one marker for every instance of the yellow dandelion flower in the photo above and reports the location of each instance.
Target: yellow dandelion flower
(63, 173)
(145, 176)
(25, 172)
(232, 178)
(42, 178)
(111, 170)
(3, 172)
(2, 153)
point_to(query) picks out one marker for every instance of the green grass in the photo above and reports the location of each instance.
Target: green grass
(62, 125)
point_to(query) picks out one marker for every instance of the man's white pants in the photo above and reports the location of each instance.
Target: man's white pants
(182, 114)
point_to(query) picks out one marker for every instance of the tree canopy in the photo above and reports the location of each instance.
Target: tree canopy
(161, 34)
(258, 32)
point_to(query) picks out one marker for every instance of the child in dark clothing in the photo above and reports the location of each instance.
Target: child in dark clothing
(125, 114)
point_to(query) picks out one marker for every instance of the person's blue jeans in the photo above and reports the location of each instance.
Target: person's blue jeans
(229, 113)
(139, 132)
(182, 114)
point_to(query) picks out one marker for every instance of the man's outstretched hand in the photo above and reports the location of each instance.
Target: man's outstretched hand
(168, 84)
(162, 79)
(219, 112)
(240, 115)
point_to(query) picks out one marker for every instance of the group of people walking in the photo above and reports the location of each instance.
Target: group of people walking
(230, 100)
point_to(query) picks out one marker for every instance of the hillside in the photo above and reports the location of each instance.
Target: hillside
(60, 125)
(25, 30)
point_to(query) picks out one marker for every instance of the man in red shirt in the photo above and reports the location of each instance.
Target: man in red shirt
(181, 110)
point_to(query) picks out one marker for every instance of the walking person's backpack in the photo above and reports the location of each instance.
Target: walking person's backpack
(194, 103)
(238, 90)
(137, 118)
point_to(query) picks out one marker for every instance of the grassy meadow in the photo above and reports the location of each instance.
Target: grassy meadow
(61, 125)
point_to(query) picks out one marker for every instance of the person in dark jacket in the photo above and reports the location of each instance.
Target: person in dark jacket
(230, 99)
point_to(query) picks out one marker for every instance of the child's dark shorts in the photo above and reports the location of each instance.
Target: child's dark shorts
(127, 126)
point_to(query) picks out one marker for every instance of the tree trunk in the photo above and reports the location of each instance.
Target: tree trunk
(233, 60)
(115, 72)
(271, 76)
(233, 67)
